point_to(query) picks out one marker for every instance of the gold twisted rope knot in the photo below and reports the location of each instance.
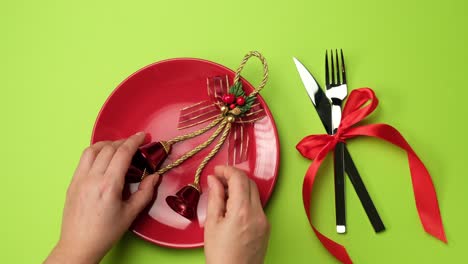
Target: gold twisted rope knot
(236, 111)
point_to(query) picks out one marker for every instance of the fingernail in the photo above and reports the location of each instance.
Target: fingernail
(147, 138)
(210, 181)
(139, 133)
(155, 179)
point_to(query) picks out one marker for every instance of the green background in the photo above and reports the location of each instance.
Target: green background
(61, 59)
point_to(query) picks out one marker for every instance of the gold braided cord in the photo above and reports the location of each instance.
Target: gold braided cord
(265, 70)
(212, 152)
(196, 133)
(195, 150)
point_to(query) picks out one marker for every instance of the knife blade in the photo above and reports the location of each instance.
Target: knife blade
(317, 96)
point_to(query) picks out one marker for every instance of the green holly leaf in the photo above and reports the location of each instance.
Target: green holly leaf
(237, 89)
(249, 101)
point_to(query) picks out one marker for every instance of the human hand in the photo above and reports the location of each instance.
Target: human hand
(236, 228)
(95, 216)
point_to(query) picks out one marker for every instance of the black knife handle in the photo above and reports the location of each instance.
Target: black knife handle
(362, 193)
(340, 188)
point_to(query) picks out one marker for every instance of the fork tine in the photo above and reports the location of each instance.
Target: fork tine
(327, 76)
(343, 70)
(332, 68)
(337, 68)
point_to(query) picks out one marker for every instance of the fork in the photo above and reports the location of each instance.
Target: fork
(336, 92)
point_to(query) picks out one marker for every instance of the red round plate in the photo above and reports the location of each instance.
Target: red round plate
(150, 101)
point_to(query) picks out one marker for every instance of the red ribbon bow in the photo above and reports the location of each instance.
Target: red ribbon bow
(316, 148)
(239, 137)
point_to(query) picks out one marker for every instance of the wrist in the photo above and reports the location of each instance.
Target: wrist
(63, 253)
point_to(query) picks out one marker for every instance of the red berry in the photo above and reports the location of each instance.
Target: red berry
(240, 100)
(232, 106)
(228, 98)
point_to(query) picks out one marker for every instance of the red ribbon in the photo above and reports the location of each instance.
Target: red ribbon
(361, 103)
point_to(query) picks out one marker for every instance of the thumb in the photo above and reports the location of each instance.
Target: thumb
(216, 199)
(139, 199)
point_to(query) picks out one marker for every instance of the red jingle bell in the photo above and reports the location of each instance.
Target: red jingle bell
(147, 160)
(185, 202)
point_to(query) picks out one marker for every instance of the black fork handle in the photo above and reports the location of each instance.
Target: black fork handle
(362, 193)
(339, 167)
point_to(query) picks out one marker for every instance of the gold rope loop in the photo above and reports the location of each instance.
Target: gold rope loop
(212, 153)
(196, 133)
(265, 70)
(195, 150)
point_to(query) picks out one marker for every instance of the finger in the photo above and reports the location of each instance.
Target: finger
(117, 143)
(88, 157)
(139, 199)
(104, 157)
(99, 145)
(102, 160)
(123, 156)
(255, 196)
(237, 183)
(216, 199)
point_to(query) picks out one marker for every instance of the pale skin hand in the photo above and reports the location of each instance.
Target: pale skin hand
(95, 216)
(236, 228)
